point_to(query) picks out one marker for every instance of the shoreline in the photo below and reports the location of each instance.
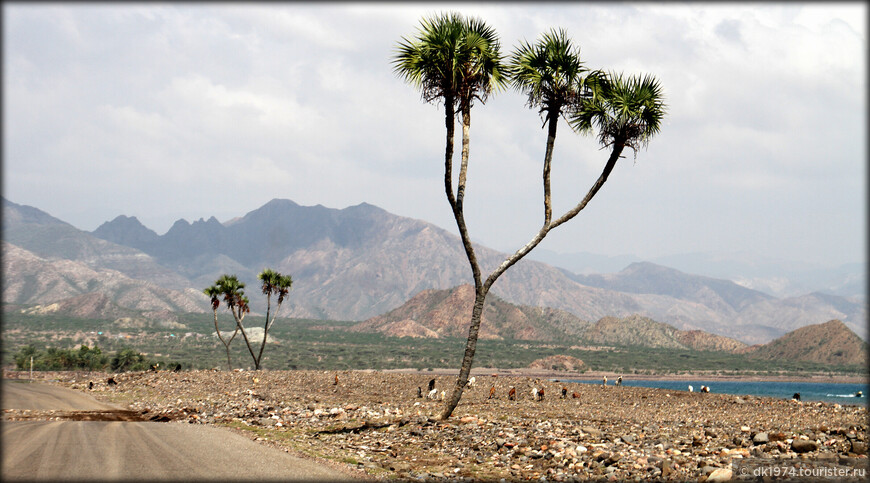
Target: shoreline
(611, 376)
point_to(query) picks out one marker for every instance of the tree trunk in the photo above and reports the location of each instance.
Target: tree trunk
(265, 329)
(468, 358)
(225, 343)
(245, 336)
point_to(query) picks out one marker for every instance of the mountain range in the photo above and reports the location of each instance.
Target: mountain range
(360, 262)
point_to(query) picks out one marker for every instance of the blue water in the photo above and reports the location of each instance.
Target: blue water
(810, 391)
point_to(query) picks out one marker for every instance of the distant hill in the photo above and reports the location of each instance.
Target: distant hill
(446, 313)
(829, 343)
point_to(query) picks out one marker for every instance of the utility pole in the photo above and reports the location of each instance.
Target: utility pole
(31, 368)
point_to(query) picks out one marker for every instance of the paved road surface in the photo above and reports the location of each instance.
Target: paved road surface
(123, 450)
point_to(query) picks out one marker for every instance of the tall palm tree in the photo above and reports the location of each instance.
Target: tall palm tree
(273, 283)
(456, 61)
(214, 292)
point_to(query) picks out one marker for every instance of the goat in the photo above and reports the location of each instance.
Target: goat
(564, 392)
(535, 393)
(433, 394)
(619, 381)
(797, 396)
(419, 391)
(540, 395)
(90, 384)
(604, 381)
(574, 395)
(431, 385)
(691, 389)
(491, 392)
(111, 382)
(471, 382)
(512, 394)
(705, 389)
(442, 396)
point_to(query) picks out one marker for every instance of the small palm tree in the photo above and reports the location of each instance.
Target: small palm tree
(214, 292)
(273, 283)
(233, 293)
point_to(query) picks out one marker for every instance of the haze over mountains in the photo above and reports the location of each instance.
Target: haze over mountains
(360, 262)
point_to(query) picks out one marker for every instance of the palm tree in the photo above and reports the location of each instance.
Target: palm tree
(214, 292)
(551, 74)
(277, 284)
(456, 61)
(233, 293)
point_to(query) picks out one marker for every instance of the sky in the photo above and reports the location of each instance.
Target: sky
(187, 111)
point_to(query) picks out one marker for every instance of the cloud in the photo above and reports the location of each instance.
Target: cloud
(165, 109)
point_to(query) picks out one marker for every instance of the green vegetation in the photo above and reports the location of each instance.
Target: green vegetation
(328, 345)
(85, 358)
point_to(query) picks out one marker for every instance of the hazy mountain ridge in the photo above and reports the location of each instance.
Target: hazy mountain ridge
(361, 261)
(32, 280)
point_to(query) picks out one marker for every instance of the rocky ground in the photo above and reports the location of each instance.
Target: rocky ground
(374, 424)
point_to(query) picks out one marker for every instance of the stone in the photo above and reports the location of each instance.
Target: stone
(859, 447)
(804, 446)
(760, 438)
(720, 474)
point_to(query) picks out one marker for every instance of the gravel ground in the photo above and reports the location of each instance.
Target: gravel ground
(374, 424)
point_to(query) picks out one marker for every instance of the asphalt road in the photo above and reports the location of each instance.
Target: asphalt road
(131, 450)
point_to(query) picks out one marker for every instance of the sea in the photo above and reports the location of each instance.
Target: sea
(841, 393)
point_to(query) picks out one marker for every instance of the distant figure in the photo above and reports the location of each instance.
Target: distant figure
(177, 367)
(534, 393)
(471, 382)
(111, 381)
(705, 389)
(154, 367)
(336, 380)
(574, 395)
(691, 389)
(797, 396)
(619, 381)
(90, 384)
(419, 392)
(541, 394)
(859, 394)
(564, 392)
(431, 385)
(604, 381)
(491, 392)
(512, 394)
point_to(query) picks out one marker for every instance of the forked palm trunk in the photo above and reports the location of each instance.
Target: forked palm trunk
(468, 358)
(225, 343)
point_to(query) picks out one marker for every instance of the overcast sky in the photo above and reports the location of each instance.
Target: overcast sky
(187, 111)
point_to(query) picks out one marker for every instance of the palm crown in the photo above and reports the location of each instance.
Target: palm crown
(628, 111)
(550, 72)
(453, 59)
